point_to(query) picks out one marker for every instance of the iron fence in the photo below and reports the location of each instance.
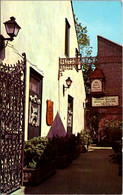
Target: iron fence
(12, 100)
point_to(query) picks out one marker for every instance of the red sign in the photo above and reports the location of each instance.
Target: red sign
(49, 112)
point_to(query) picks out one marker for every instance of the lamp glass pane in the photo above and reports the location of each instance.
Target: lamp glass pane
(9, 28)
(16, 30)
(68, 82)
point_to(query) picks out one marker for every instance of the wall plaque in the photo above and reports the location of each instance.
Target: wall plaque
(105, 101)
(96, 85)
(49, 117)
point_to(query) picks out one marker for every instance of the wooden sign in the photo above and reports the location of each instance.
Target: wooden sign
(49, 117)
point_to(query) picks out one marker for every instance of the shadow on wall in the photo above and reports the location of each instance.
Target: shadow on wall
(57, 129)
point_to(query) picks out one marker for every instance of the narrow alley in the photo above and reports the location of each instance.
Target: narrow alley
(91, 173)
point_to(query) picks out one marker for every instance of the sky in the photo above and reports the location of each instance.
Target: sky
(102, 18)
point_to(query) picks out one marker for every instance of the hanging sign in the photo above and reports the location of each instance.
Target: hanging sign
(96, 85)
(49, 116)
(105, 101)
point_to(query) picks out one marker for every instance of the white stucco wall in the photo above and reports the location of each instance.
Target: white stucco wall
(42, 38)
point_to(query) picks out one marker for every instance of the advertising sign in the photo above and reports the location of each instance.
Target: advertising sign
(105, 101)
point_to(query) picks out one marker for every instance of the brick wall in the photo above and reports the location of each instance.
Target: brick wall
(110, 54)
(110, 60)
(108, 48)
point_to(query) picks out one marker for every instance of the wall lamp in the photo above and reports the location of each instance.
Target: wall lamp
(68, 83)
(12, 29)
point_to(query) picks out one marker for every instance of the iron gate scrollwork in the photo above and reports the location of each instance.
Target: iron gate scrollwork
(12, 96)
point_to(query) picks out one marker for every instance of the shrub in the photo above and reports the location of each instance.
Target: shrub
(112, 130)
(34, 152)
(61, 145)
(39, 150)
(85, 137)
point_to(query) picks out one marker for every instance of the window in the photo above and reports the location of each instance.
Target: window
(76, 52)
(67, 38)
(34, 85)
(77, 55)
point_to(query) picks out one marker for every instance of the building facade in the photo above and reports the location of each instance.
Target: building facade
(105, 102)
(47, 36)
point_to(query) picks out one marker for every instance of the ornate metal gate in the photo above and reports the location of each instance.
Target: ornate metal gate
(12, 96)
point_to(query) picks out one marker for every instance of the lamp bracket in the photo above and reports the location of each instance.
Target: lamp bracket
(64, 87)
(9, 39)
(2, 41)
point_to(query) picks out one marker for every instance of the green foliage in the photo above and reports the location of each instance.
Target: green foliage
(85, 51)
(83, 38)
(93, 125)
(34, 152)
(32, 164)
(85, 137)
(40, 150)
(112, 130)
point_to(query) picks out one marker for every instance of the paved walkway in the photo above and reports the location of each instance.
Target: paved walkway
(91, 173)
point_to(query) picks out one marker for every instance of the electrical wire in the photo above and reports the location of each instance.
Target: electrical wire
(16, 51)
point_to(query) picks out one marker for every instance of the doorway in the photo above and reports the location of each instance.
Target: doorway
(35, 104)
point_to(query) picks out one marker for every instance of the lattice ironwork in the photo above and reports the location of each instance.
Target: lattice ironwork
(12, 88)
(70, 63)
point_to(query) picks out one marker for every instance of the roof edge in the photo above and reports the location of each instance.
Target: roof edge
(105, 39)
(74, 21)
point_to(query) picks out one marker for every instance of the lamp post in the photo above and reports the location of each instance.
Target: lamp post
(68, 83)
(12, 29)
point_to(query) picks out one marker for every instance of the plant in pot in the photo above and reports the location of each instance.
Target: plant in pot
(37, 164)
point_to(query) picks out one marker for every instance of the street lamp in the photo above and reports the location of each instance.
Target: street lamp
(12, 29)
(68, 83)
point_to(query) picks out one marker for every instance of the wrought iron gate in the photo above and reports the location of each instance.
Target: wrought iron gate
(12, 95)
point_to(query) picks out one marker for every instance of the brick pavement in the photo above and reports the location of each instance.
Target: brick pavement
(91, 173)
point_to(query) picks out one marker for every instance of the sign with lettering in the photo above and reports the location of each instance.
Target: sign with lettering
(96, 85)
(105, 101)
(49, 112)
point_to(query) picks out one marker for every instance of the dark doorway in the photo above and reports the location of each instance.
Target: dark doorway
(70, 115)
(35, 104)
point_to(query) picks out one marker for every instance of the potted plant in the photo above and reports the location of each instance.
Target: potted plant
(37, 164)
